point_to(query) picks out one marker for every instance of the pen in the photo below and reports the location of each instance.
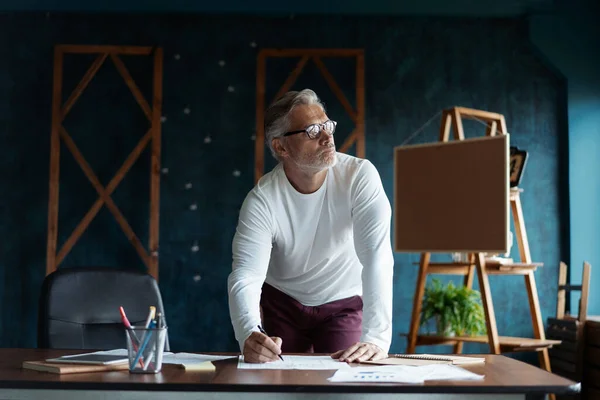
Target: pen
(144, 338)
(159, 323)
(127, 324)
(124, 319)
(149, 319)
(265, 333)
(145, 343)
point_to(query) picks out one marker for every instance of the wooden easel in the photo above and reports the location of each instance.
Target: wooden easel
(495, 124)
(152, 136)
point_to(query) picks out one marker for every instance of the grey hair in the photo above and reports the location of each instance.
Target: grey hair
(277, 115)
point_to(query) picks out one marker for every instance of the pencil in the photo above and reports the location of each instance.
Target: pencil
(265, 333)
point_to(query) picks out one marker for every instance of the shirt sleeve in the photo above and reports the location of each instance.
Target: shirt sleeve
(251, 247)
(371, 216)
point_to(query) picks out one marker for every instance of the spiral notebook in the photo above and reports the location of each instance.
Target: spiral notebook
(426, 359)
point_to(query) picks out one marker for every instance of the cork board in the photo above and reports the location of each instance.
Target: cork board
(452, 196)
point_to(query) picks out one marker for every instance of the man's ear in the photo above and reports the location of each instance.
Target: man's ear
(280, 147)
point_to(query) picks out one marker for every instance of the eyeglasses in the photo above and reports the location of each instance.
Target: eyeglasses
(313, 131)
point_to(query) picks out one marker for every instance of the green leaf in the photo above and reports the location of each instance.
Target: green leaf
(456, 308)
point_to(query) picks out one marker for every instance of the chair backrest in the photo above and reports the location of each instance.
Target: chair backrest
(79, 307)
(565, 289)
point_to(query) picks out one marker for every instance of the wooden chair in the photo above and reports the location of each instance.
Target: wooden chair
(567, 358)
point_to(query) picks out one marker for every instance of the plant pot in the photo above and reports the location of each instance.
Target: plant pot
(442, 330)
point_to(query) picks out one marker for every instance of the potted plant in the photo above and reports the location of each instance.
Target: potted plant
(456, 310)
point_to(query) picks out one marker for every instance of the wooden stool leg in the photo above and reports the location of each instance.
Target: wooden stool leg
(585, 290)
(536, 318)
(581, 317)
(534, 304)
(488, 306)
(538, 327)
(562, 281)
(415, 320)
(468, 282)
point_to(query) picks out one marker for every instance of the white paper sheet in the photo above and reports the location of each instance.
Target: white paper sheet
(378, 374)
(115, 352)
(296, 362)
(403, 374)
(174, 358)
(447, 372)
(191, 358)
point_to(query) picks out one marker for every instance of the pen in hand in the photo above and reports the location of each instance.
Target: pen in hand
(265, 333)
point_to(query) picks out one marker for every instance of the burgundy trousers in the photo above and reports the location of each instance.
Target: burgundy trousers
(320, 329)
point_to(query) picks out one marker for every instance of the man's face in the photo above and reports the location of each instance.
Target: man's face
(303, 152)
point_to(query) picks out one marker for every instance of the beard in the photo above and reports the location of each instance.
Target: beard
(314, 162)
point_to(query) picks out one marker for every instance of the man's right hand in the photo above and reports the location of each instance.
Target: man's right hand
(259, 348)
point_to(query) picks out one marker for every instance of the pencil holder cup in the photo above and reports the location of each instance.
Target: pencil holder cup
(145, 348)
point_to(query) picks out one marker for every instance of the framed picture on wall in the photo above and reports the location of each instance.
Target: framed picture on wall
(518, 159)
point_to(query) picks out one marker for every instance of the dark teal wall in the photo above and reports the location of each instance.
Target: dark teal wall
(564, 33)
(569, 42)
(415, 66)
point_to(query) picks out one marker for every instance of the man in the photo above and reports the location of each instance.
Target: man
(312, 246)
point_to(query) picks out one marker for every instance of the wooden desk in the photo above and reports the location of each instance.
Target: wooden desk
(505, 379)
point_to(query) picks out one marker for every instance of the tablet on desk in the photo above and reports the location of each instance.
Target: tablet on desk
(91, 358)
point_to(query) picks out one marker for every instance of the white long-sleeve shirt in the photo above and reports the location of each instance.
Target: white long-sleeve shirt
(318, 247)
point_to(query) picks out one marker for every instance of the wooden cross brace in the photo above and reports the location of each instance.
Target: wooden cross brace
(452, 118)
(59, 112)
(357, 115)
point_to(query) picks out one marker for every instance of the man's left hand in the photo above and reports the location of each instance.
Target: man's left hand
(359, 352)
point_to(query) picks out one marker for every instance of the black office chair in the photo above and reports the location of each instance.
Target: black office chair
(79, 307)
